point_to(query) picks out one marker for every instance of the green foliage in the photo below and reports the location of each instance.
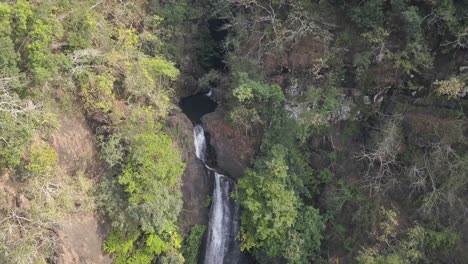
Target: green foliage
(50, 44)
(175, 12)
(96, 91)
(245, 118)
(42, 159)
(385, 230)
(16, 135)
(22, 12)
(210, 80)
(256, 102)
(112, 150)
(420, 245)
(9, 57)
(134, 247)
(149, 79)
(137, 247)
(362, 61)
(5, 16)
(322, 105)
(274, 221)
(80, 28)
(251, 91)
(269, 206)
(152, 162)
(338, 196)
(8, 60)
(303, 243)
(192, 244)
(370, 15)
(326, 176)
(44, 64)
(415, 55)
(371, 256)
(145, 200)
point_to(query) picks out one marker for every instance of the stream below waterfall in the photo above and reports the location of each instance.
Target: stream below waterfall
(222, 245)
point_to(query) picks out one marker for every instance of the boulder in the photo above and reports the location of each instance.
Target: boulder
(233, 149)
(22, 201)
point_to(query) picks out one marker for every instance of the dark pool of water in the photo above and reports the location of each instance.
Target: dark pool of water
(197, 106)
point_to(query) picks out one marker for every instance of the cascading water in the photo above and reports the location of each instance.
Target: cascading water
(200, 142)
(222, 245)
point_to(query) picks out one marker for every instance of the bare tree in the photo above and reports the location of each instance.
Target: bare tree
(268, 29)
(381, 159)
(10, 103)
(82, 60)
(443, 180)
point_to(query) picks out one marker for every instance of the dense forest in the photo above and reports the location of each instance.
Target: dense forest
(343, 123)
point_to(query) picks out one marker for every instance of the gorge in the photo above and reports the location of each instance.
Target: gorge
(222, 245)
(233, 131)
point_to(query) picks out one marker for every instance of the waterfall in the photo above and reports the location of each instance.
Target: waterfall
(222, 245)
(200, 142)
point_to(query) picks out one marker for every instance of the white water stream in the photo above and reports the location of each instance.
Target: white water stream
(200, 143)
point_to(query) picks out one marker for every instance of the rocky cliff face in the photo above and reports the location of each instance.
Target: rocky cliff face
(233, 149)
(197, 185)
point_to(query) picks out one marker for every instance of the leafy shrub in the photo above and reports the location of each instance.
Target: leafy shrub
(15, 137)
(326, 176)
(96, 91)
(42, 159)
(137, 247)
(149, 79)
(256, 102)
(453, 87)
(322, 106)
(303, 243)
(192, 244)
(8, 60)
(23, 12)
(80, 28)
(415, 55)
(44, 64)
(112, 150)
(151, 158)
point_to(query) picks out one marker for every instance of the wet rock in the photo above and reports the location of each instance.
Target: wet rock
(188, 86)
(233, 149)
